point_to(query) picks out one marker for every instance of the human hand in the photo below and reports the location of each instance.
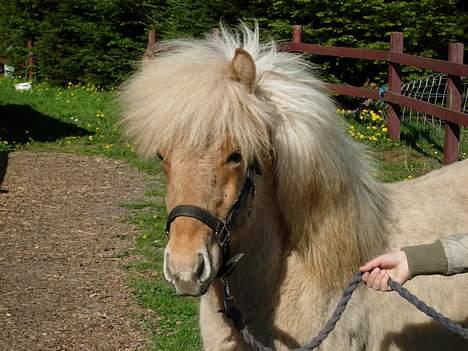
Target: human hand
(377, 271)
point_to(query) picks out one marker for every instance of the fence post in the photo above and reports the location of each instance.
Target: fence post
(296, 34)
(151, 40)
(394, 85)
(454, 102)
(151, 45)
(30, 58)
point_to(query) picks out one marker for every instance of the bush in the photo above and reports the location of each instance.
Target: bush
(89, 41)
(98, 41)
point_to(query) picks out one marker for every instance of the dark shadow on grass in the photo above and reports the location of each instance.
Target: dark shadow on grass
(3, 168)
(410, 135)
(21, 123)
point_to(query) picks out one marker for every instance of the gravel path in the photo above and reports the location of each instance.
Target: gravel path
(63, 242)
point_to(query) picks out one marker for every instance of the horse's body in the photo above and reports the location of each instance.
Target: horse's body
(317, 214)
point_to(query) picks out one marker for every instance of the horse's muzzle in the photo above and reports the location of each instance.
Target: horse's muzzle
(189, 278)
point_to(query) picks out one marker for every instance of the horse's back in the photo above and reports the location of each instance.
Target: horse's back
(429, 207)
(397, 325)
(422, 210)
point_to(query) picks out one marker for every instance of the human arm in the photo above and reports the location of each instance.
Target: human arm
(446, 256)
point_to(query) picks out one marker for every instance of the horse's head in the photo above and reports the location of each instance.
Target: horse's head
(210, 110)
(210, 181)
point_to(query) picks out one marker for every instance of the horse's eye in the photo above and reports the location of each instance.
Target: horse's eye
(160, 156)
(235, 157)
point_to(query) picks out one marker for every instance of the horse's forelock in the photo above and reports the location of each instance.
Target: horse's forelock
(184, 97)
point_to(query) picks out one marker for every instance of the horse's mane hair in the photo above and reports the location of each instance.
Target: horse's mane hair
(185, 98)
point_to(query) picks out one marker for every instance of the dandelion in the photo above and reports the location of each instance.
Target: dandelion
(90, 138)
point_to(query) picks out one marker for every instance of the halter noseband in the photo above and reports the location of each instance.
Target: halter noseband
(221, 228)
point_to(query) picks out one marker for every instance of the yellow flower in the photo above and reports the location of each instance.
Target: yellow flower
(384, 129)
(90, 138)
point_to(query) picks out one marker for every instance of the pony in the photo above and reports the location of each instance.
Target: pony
(210, 109)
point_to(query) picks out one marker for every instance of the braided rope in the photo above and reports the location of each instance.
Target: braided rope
(428, 310)
(250, 339)
(340, 307)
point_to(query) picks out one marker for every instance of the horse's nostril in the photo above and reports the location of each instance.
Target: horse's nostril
(201, 266)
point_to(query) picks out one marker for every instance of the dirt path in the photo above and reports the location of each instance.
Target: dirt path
(62, 286)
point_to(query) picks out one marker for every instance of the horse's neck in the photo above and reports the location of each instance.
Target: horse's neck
(346, 229)
(336, 240)
(261, 238)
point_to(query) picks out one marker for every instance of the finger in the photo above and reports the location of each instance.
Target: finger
(365, 277)
(372, 276)
(383, 279)
(377, 281)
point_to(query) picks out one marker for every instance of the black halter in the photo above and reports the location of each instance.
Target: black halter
(221, 228)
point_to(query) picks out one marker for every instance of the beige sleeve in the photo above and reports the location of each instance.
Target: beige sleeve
(456, 250)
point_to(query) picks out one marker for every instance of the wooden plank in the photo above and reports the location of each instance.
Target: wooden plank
(443, 113)
(455, 68)
(30, 62)
(296, 33)
(338, 51)
(351, 90)
(454, 102)
(442, 66)
(394, 85)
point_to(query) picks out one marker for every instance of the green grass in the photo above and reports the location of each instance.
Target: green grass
(175, 327)
(81, 119)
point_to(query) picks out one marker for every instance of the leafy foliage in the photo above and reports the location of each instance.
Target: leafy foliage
(88, 41)
(98, 41)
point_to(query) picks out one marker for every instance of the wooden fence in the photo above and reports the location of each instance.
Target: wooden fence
(452, 114)
(29, 62)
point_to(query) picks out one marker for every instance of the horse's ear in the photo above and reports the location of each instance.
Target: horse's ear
(243, 69)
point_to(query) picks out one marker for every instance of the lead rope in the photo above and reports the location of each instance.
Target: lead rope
(235, 315)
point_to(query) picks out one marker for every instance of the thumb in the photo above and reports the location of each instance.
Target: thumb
(376, 262)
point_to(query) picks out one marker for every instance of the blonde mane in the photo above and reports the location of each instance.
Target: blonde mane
(184, 98)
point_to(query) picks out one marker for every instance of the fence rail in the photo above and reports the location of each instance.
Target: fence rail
(452, 114)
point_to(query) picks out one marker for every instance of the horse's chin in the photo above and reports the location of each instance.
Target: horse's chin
(190, 289)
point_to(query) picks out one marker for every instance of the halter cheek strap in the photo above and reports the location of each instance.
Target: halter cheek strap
(221, 228)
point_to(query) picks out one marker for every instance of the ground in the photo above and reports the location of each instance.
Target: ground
(63, 243)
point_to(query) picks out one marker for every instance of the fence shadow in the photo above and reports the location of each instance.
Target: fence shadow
(21, 123)
(3, 167)
(411, 134)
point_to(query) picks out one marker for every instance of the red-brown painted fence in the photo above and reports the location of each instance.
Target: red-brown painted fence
(29, 61)
(395, 57)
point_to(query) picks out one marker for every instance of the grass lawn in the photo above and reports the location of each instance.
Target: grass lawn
(81, 119)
